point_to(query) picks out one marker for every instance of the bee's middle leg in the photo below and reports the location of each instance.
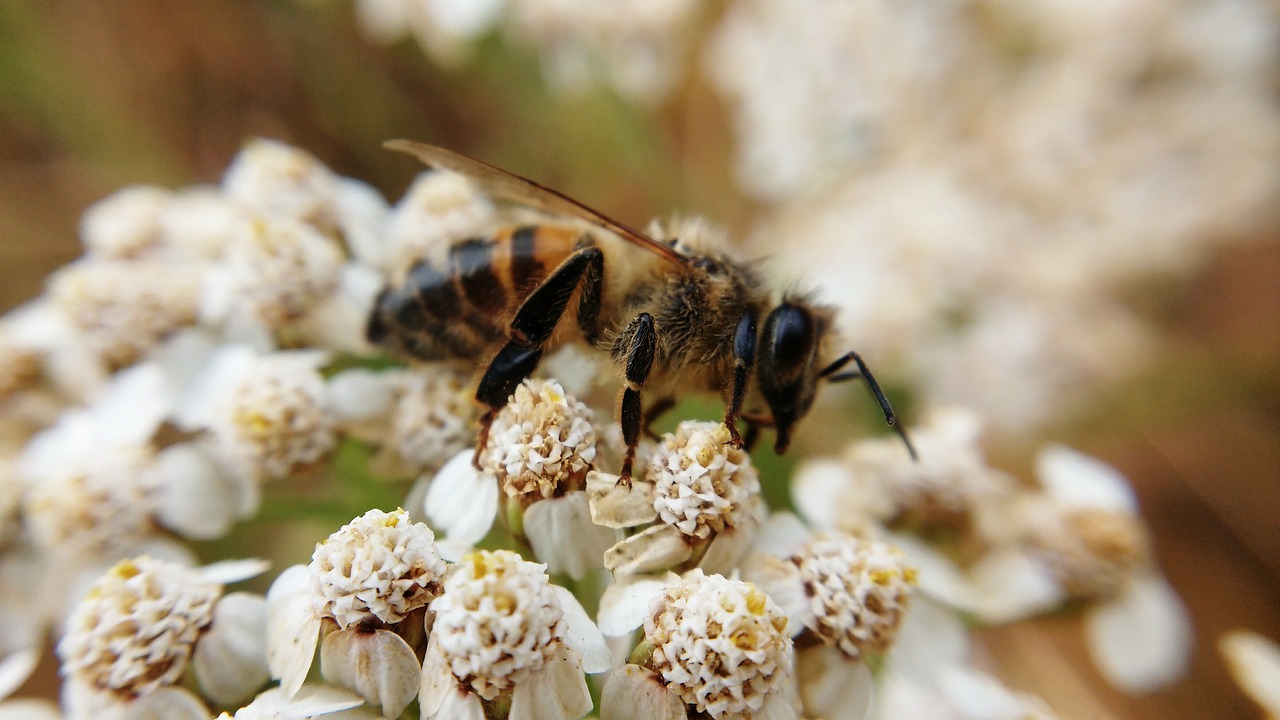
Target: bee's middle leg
(638, 344)
(533, 326)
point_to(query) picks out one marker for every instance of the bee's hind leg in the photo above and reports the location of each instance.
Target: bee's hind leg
(637, 345)
(533, 326)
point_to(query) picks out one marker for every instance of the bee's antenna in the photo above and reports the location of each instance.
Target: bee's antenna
(829, 374)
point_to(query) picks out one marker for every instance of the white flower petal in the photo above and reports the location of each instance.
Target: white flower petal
(656, 548)
(623, 606)
(293, 630)
(230, 659)
(196, 499)
(168, 703)
(310, 701)
(557, 692)
(1141, 640)
(979, 696)
(562, 535)
(814, 486)
(197, 407)
(1010, 585)
(725, 550)
(939, 577)
(379, 666)
(461, 502)
(582, 634)
(1254, 662)
(1076, 480)
(633, 692)
(781, 535)
(831, 685)
(440, 696)
(931, 638)
(619, 506)
(780, 580)
(16, 668)
(358, 394)
(226, 572)
(133, 405)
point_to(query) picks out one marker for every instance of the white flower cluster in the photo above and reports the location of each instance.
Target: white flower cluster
(542, 443)
(1019, 552)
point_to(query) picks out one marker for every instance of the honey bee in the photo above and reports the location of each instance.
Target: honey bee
(673, 318)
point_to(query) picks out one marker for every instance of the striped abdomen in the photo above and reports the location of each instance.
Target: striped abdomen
(461, 310)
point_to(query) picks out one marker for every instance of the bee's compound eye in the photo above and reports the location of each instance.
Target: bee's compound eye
(789, 333)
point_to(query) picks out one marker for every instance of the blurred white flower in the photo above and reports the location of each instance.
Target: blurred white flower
(268, 414)
(311, 701)
(875, 481)
(135, 633)
(1084, 540)
(503, 632)
(434, 417)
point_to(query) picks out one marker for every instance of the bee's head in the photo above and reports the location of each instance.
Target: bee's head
(788, 355)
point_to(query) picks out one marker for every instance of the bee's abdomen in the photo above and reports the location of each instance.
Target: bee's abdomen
(461, 310)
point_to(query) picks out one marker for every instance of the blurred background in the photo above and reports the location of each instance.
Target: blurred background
(1061, 214)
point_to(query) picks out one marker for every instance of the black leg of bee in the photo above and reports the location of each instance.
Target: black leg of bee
(655, 411)
(829, 374)
(641, 346)
(538, 316)
(530, 330)
(744, 359)
(754, 425)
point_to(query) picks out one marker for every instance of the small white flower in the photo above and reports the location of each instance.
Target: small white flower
(274, 179)
(120, 309)
(371, 582)
(379, 565)
(702, 492)
(434, 418)
(502, 630)
(541, 443)
(135, 631)
(540, 450)
(124, 224)
(948, 484)
(1082, 539)
(718, 646)
(268, 414)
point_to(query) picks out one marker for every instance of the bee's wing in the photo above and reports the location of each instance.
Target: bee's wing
(501, 184)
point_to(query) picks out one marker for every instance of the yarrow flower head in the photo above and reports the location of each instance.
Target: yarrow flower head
(136, 629)
(701, 483)
(1093, 552)
(541, 443)
(268, 413)
(857, 592)
(501, 629)
(131, 640)
(380, 565)
(719, 646)
(700, 495)
(430, 423)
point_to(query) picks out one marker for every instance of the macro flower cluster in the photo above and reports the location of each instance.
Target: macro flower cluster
(253, 390)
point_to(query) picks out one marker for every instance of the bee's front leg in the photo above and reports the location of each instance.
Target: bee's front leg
(638, 345)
